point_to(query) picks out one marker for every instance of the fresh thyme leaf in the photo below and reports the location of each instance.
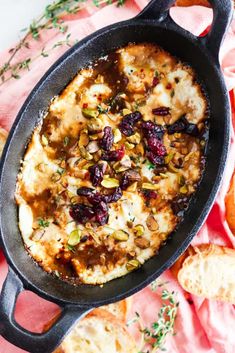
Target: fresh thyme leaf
(151, 166)
(102, 110)
(60, 171)
(155, 335)
(50, 18)
(71, 248)
(43, 223)
(66, 141)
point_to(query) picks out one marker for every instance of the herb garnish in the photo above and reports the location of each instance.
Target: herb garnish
(66, 141)
(154, 337)
(43, 223)
(51, 18)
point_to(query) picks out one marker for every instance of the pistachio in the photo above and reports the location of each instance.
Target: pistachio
(55, 177)
(138, 230)
(129, 146)
(169, 157)
(126, 111)
(92, 147)
(85, 154)
(132, 265)
(189, 155)
(119, 168)
(132, 187)
(83, 139)
(150, 186)
(184, 189)
(163, 175)
(110, 183)
(94, 137)
(184, 150)
(89, 113)
(95, 125)
(41, 167)
(202, 143)
(117, 135)
(181, 180)
(152, 223)
(142, 243)
(135, 139)
(74, 200)
(87, 165)
(120, 235)
(172, 168)
(140, 149)
(74, 237)
(44, 140)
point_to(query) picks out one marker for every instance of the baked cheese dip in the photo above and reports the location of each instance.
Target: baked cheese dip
(113, 164)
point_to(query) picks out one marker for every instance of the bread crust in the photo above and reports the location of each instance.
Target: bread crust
(99, 319)
(209, 272)
(3, 137)
(230, 205)
(193, 2)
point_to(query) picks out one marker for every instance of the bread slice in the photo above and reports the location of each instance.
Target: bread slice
(119, 309)
(210, 273)
(99, 332)
(192, 2)
(3, 137)
(230, 205)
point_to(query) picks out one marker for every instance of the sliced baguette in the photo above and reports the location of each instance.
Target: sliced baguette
(119, 309)
(230, 205)
(3, 137)
(210, 273)
(192, 2)
(99, 332)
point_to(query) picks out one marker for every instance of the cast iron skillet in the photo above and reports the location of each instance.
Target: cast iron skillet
(155, 25)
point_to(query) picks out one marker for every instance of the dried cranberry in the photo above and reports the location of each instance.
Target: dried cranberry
(162, 111)
(192, 129)
(95, 198)
(179, 205)
(96, 173)
(149, 194)
(114, 197)
(126, 128)
(115, 155)
(84, 191)
(153, 158)
(125, 182)
(128, 121)
(81, 213)
(182, 125)
(169, 86)
(101, 213)
(107, 140)
(178, 126)
(152, 129)
(155, 81)
(156, 146)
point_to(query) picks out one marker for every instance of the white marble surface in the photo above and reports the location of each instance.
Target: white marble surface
(16, 15)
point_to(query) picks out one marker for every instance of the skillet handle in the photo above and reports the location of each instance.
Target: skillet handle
(17, 335)
(222, 14)
(156, 10)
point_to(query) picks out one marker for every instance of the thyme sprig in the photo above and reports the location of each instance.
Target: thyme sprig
(52, 17)
(154, 337)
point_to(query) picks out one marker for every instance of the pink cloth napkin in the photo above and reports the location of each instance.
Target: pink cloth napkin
(203, 326)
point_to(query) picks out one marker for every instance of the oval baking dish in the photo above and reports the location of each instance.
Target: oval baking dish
(153, 25)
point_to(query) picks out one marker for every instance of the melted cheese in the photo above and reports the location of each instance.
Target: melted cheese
(57, 160)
